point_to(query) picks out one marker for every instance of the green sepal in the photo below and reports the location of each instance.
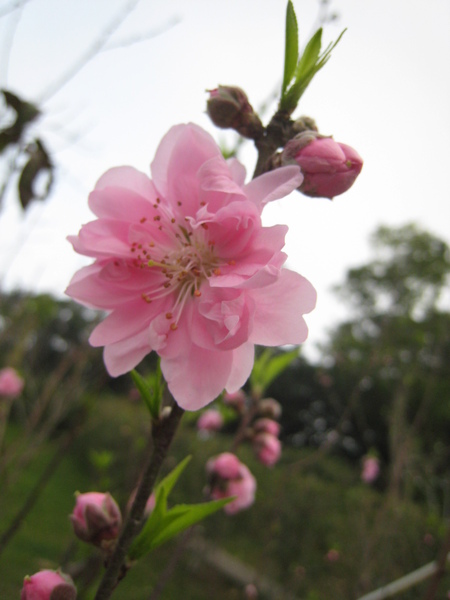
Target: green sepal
(291, 47)
(162, 525)
(268, 367)
(151, 390)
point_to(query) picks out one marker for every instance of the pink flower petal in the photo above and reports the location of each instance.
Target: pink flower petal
(273, 185)
(281, 305)
(198, 377)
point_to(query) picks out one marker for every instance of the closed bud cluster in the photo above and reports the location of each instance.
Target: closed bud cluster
(48, 585)
(229, 477)
(96, 518)
(228, 108)
(328, 167)
(11, 384)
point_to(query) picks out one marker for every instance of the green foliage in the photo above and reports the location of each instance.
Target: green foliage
(268, 366)
(407, 277)
(151, 389)
(300, 70)
(291, 48)
(163, 524)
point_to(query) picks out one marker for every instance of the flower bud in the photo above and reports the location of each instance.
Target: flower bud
(371, 469)
(96, 518)
(269, 407)
(228, 107)
(235, 399)
(267, 426)
(328, 168)
(210, 420)
(267, 448)
(229, 477)
(11, 384)
(225, 466)
(48, 585)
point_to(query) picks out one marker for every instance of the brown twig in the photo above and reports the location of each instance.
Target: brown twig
(163, 434)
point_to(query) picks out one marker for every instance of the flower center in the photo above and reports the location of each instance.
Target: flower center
(177, 268)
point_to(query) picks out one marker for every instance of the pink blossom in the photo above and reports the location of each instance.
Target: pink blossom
(96, 518)
(267, 448)
(371, 469)
(225, 466)
(329, 168)
(48, 585)
(265, 425)
(11, 384)
(210, 420)
(229, 477)
(186, 269)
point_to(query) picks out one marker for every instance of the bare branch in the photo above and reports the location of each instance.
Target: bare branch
(137, 39)
(91, 52)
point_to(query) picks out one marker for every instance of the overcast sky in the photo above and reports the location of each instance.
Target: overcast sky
(385, 91)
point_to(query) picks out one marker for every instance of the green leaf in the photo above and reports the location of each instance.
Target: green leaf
(309, 64)
(166, 485)
(291, 47)
(268, 367)
(162, 525)
(151, 393)
(180, 517)
(310, 55)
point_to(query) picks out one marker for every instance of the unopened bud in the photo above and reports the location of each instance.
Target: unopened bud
(11, 384)
(96, 518)
(228, 108)
(267, 448)
(48, 585)
(269, 407)
(329, 168)
(211, 420)
(265, 425)
(229, 477)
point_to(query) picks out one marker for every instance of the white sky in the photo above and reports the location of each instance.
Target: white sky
(385, 91)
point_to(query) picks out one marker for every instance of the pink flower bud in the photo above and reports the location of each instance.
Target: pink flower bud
(267, 448)
(332, 555)
(48, 585)
(371, 469)
(225, 466)
(267, 426)
(328, 168)
(96, 518)
(228, 107)
(11, 384)
(268, 407)
(210, 420)
(235, 399)
(229, 477)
